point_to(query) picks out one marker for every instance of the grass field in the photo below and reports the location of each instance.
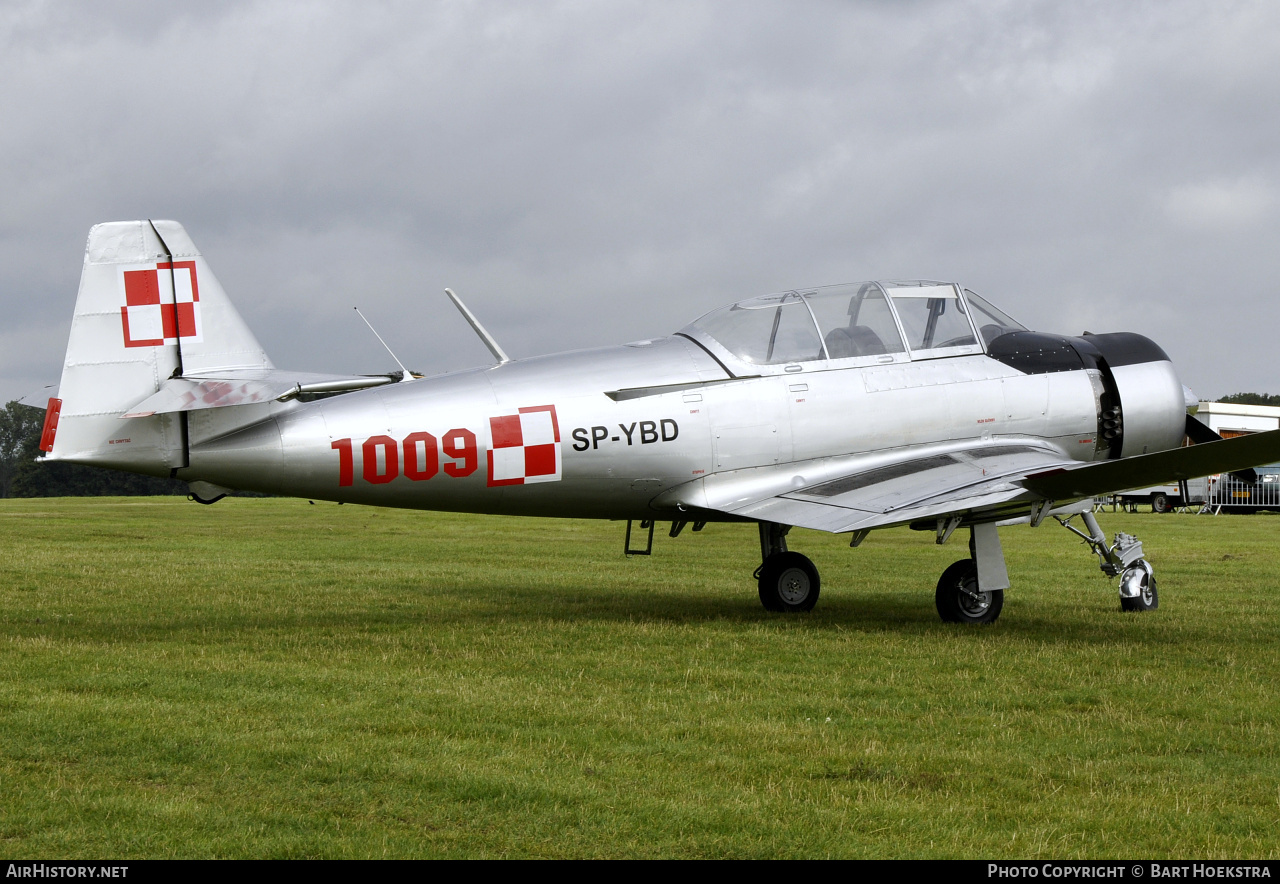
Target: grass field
(269, 678)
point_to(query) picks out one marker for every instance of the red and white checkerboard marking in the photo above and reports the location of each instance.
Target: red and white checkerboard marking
(149, 319)
(525, 447)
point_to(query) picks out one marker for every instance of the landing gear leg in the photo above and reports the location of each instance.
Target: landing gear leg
(1124, 559)
(789, 582)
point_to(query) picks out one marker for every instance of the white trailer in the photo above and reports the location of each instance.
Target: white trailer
(1166, 498)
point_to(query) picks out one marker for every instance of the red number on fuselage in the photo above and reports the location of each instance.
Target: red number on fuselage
(346, 463)
(391, 459)
(420, 469)
(421, 457)
(461, 446)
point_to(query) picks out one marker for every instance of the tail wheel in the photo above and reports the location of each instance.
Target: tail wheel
(961, 600)
(788, 583)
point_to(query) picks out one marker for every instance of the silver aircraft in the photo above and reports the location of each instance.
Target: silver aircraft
(843, 409)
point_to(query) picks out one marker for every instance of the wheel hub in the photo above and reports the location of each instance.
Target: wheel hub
(1135, 582)
(974, 604)
(793, 586)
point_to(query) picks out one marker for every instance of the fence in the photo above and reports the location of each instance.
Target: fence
(1228, 493)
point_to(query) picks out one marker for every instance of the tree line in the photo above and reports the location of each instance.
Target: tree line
(1252, 399)
(24, 474)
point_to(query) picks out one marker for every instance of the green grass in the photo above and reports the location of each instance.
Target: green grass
(269, 678)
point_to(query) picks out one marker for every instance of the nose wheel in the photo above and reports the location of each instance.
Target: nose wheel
(1138, 588)
(789, 583)
(961, 600)
(1123, 558)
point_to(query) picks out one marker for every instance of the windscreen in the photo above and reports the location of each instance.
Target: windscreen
(932, 315)
(991, 321)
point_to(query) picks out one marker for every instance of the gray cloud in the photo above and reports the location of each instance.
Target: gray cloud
(592, 173)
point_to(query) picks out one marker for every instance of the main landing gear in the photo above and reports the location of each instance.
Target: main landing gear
(1124, 559)
(972, 590)
(960, 599)
(789, 582)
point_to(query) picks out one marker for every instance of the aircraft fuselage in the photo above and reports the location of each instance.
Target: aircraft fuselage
(602, 433)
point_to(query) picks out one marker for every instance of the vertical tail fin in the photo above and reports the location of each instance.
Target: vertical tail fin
(148, 309)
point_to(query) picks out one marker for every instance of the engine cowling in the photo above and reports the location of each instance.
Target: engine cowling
(1145, 410)
(1141, 404)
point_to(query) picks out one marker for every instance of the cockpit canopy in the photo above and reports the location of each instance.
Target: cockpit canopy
(873, 321)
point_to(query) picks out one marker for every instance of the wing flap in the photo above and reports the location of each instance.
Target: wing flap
(972, 472)
(838, 520)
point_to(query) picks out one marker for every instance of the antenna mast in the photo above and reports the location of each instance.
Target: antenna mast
(479, 329)
(408, 375)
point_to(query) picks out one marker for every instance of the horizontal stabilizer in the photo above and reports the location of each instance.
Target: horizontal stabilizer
(192, 393)
(1221, 456)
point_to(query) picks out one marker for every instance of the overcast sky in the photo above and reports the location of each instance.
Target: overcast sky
(592, 173)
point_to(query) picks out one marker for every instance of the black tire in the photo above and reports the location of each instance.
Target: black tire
(789, 583)
(959, 599)
(1147, 600)
(1160, 503)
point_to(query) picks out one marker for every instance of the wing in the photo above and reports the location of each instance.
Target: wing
(979, 482)
(862, 492)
